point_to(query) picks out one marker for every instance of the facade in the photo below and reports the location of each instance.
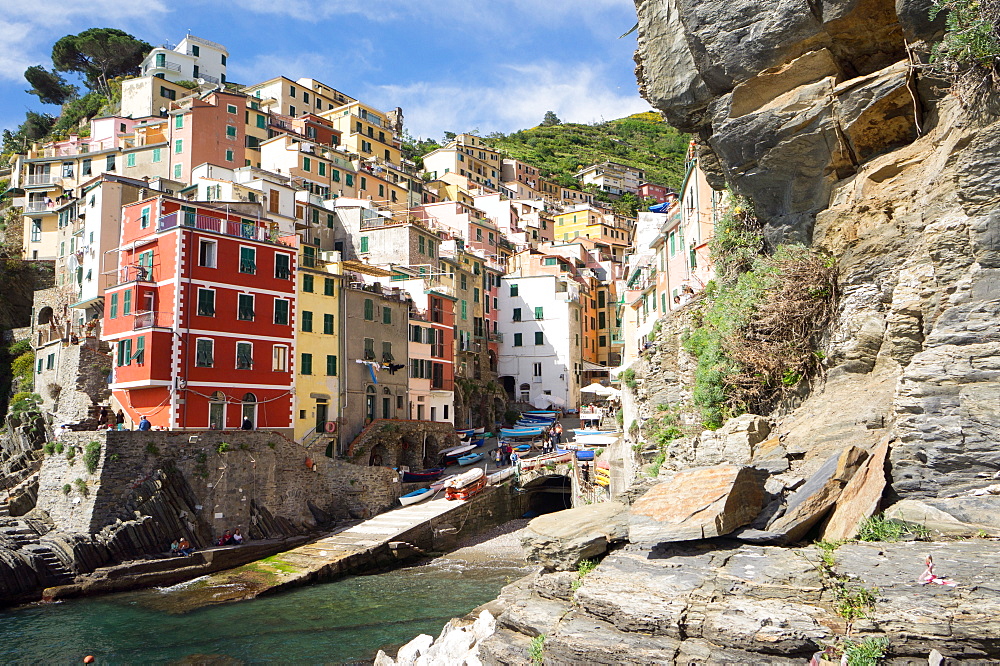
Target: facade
(201, 317)
(658, 193)
(431, 353)
(614, 178)
(466, 155)
(194, 58)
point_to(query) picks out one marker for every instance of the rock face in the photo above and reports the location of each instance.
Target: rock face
(813, 111)
(953, 517)
(696, 504)
(860, 497)
(560, 541)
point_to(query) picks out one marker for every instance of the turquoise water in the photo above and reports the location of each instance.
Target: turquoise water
(340, 622)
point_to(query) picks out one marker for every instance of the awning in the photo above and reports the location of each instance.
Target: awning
(587, 366)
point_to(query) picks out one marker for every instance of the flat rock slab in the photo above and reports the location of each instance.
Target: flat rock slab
(953, 516)
(560, 541)
(860, 497)
(697, 504)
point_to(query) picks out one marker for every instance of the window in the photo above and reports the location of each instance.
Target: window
(179, 122)
(291, 111)
(306, 164)
(386, 315)
(335, 175)
(307, 283)
(465, 309)
(261, 121)
(291, 91)
(231, 108)
(464, 282)
(156, 155)
(331, 365)
(230, 155)
(129, 160)
(114, 306)
(518, 337)
(244, 356)
(387, 352)
(127, 303)
(422, 247)
(207, 253)
(177, 171)
(124, 352)
(539, 313)
(282, 266)
(144, 217)
(322, 168)
(204, 353)
(539, 338)
(536, 370)
(307, 321)
(475, 295)
(369, 354)
(161, 60)
(36, 231)
(109, 163)
(279, 358)
(206, 302)
(369, 310)
(550, 261)
(244, 309)
(306, 366)
(195, 50)
(602, 341)
(223, 58)
(167, 93)
(328, 324)
(178, 146)
(248, 260)
(86, 168)
(364, 243)
(328, 286)
(517, 314)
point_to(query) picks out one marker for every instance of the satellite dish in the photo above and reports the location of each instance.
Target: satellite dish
(200, 81)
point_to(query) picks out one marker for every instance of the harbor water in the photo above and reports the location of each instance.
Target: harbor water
(345, 621)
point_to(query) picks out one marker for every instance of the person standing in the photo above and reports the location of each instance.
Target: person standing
(558, 429)
(144, 423)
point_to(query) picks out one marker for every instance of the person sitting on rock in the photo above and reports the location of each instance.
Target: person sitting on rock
(184, 547)
(226, 539)
(237, 537)
(175, 548)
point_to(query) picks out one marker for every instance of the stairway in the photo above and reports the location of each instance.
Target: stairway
(57, 572)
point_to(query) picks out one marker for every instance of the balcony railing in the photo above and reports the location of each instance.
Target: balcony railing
(166, 64)
(495, 337)
(149, 319)
(208, 77)
(38, 207)
(40, 179)
(236, 228)
(129, 273)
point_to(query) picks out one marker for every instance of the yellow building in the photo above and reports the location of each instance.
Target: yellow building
(468, 156)
(319, 351)
(589, 222)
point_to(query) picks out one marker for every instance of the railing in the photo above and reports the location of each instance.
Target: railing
(41, 179)
(495, 337)
(130, 273)
(239, 229)
(149, 319)
(37, 207)
(48, 334)
(208, 77)
(166, 65)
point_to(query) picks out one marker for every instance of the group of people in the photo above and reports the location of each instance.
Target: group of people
(553, 438)
(235, 538)
(682, 299)
(181, 547)
(504, 455)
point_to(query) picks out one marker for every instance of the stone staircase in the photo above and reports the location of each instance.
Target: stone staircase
(55, 570)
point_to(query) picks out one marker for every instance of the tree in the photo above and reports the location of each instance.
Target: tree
(550, 119)
(50, 87)
(100, 54)
(34, 127)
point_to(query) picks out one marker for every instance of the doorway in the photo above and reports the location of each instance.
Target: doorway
(250, 409)
(322, 409)
(217, 411)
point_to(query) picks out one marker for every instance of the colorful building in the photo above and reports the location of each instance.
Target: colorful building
(201, 317)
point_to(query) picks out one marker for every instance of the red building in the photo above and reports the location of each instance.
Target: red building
(657, 192)
(201, 314)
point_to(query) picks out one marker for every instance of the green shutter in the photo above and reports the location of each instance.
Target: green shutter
(369, 310)
(328, 324)
(386, 315)
(364, 243)
(307, 321)
(114, 306)
(331, 365)
(307, 364)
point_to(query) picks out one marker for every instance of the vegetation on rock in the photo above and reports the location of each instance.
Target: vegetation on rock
(969, 53)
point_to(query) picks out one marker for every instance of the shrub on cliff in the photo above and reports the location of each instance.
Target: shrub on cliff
(756, 329)
(969, 53)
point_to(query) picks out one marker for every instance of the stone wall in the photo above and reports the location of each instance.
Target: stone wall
(236, 478)
(395, 442)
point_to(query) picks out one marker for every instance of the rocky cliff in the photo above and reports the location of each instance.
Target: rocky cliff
(824, 115)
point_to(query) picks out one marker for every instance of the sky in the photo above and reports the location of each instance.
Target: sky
(452, 65)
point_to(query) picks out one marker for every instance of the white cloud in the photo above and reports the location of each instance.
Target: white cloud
(31, 28)
(518, 98)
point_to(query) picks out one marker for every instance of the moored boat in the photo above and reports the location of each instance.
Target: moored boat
(584, 455)
(457, 451)
(441, 483)
(470, 459)
(464, 479)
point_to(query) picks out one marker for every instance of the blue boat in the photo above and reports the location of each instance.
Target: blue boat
(478, 442)
(522, 448)
(584, 455)
(465, 433)
(431, 474)
(541, 412)
(416, 496)
(509, 433)
(470, 459)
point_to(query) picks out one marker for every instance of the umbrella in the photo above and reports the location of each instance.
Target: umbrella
(544, 400)
(596, 387)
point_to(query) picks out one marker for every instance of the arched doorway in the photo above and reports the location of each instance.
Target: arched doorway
(250, 409)
(370, 403)
(386, 403)
(45, 316)
(525, 393)
(217, 411)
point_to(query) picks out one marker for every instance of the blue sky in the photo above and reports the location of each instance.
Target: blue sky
(458, 65)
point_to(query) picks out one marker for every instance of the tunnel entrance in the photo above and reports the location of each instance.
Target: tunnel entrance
(549, 494)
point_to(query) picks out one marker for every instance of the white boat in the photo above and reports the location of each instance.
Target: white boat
(502, 475)
(416, 496)
(456, 451)
(441, 483)
(596, 440)
(466, 479)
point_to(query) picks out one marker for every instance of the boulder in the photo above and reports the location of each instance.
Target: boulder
(733, 443)
(559, 541)
(860, 497)
(697, 503)
(954, 517)
(807, 505)
(770, 456)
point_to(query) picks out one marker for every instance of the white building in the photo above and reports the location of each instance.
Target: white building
(194, 58)
(541, 347)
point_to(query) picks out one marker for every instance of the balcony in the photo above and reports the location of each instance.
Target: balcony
(495, 337)
(38, 207)
(128, 274)
(41, 179)
(150, 319)
(166, 64)
(235, 228)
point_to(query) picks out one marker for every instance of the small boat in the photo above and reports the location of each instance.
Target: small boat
(522, 448)
(601, 477)
(456, 451)
(520, 432)
(423, 475)
(541, 412)
(464, 479)
(478, 442)
(416, 496)
(597, 440)
(479, 431)
(465, 433)
(584, 455)
(594, 431)
(467, 492)
(470, 459)
(441, 483)
(502, 475)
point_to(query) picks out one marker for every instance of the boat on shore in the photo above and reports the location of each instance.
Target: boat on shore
(470, 459)
(466, 485)
(424, 475)
(441, 483)
(418, 495)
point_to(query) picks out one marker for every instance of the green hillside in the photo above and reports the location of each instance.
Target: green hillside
(642, 140)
